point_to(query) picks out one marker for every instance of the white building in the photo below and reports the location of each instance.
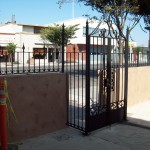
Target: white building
(20, 34)
(29, 36)
(80, 34)
(78, 44)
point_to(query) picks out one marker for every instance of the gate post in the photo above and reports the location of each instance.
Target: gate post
(87, 111)
(63, 38)
(108, 80)
(126, 75)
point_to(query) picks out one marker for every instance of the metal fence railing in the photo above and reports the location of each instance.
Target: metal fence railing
(29, 62)
(134, 59)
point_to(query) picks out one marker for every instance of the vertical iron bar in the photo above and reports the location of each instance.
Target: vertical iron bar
(44, 57)
(132, 58)
(17, 62)
(53, 59)
(34, 61)
(0, 67)
(29, 62)
(6, 63)
(126, 76)
(108, 80)
(78, 89)
(137, 59)
(70, 91)
(87, 111)
(63, 38)
(93, 72)
(39, 62)
(67, 61)
(49, 59)
(12, 62)
(23, 56)
(34, 64)
(104, 69)
(67, 93)
(71, 103)
(82, 88)
(74, 83)
(68, 98)
(97, 53)
(58, 64)
(1, 60)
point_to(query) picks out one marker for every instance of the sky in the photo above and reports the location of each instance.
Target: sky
(47, 11)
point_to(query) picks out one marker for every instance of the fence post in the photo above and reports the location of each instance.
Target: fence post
(63, 38)
(12, 57)
(138, 59)
(108, 81)
(23, 48)
(44, 57)
(126, 75)
(87, 111)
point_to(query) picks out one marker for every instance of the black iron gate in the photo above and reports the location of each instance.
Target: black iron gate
(98, 85)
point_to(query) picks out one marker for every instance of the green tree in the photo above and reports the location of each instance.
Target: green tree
(122, 13)
(144, 10)
(137, 49)
(53, 34)
(11, 47)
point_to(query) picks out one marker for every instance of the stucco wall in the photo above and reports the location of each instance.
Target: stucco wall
(39, 102)
(138, 85)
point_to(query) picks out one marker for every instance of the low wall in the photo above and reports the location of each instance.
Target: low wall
(138, 85)
(39, 102)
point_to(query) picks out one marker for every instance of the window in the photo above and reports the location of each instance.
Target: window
(84, 30)
(37, 30)
(95, 50)
(3, 51)
(90, 31)
(39, 53)
(96, 32)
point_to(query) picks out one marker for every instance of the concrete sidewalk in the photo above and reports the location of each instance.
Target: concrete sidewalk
(140, 114)
(131, 135)
(116, 137)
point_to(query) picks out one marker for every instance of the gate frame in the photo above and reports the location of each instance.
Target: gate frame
(126, 74)
(87, 107)
(87, 125)
(87, 121)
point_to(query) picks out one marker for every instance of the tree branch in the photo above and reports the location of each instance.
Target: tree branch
(135, 23)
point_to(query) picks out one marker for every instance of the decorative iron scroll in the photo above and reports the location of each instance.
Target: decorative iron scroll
(98, 108)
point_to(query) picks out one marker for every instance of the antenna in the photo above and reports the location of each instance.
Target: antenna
(13, 20)
(72, 9)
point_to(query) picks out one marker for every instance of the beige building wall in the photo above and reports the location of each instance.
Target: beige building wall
(39, 102)
(138, 85)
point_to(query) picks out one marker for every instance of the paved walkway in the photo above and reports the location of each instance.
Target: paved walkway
(140, 114)
(116, 137)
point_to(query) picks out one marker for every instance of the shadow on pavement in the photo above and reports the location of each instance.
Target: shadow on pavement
(137, 123)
